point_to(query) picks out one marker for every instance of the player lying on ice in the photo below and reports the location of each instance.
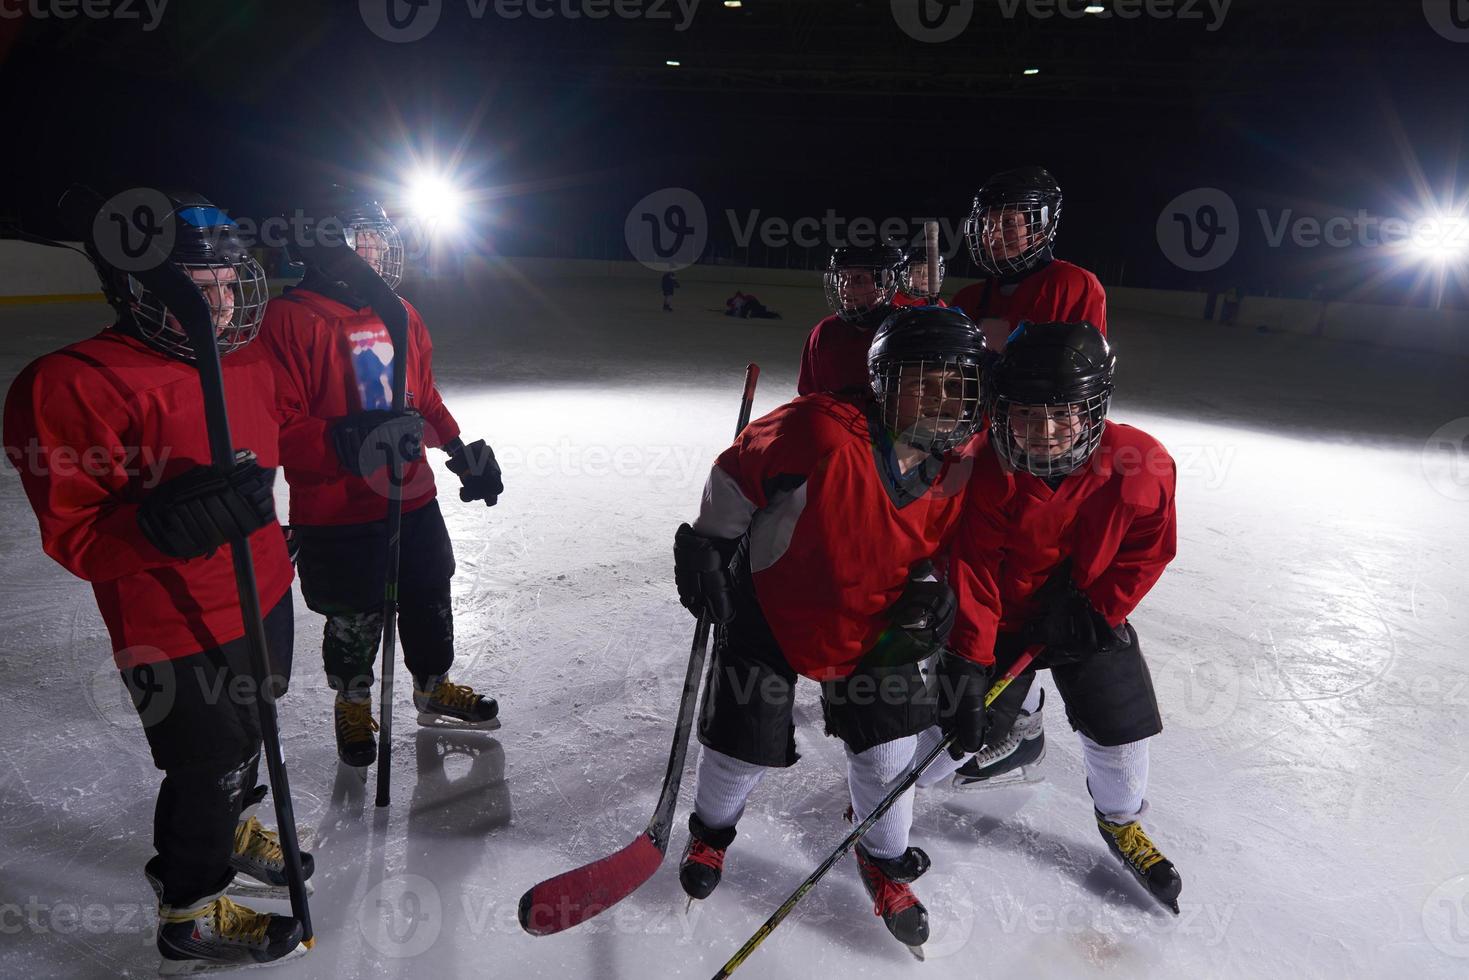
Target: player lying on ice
(812, 548)
(1068, 523)
(333, 362)
(164, 584)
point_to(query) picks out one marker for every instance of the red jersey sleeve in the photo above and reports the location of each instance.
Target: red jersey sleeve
(1079, 296)
(975, 562)
(73, 467)
(1147, 546)
(306, 441)
(440, 426)
(806, 381)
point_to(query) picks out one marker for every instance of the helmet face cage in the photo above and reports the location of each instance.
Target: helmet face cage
(930, 403)
(236, 292)
(1050, 439)
(1009, 237)
(379, 243)
(855, 292)
(914, 278)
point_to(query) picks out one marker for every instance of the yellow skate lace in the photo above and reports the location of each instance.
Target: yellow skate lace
(239, 923)
(460, 696)
(357, 721)
(1134, 843)
(253, 840)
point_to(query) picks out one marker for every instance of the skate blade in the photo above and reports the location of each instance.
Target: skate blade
(1023, 776)
(917, 952)
(428, 719)
(194, 968)
(246, 887)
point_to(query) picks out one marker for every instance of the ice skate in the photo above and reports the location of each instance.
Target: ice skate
(442, 704)
(260, 864)
(1134, 849)
(703, 859)
(886, 881)
(1013, 761)
(355, 726)
(215, 934)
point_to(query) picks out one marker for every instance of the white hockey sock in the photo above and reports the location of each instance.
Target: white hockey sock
(872, 775)
(724, 783)
(1117, 776)
(943, 767)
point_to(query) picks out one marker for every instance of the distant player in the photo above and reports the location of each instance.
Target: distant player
(153, 546)
(831, 509)
(333, 363)
(914, 289)
(1068, 524)
(860, 284)
(668, 284)
(1010, 233)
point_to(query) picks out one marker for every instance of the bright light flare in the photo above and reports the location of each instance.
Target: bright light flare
(435, 201)
(1440, 238)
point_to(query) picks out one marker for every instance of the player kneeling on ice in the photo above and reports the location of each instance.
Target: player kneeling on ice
(153, 546)
(1067, 526)
(812, 550)
(333, 360)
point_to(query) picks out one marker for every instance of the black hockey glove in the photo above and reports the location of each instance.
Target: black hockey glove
(921, 619)
(477, 470)
(366, 441)
(202, 508)
(1067, 625)
(963, 684)
(701, 572)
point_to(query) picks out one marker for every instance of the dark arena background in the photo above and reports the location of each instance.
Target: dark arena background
(1272, 195)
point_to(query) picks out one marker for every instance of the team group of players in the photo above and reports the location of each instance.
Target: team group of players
(944, 493)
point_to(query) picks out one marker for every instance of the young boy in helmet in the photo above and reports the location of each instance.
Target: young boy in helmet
(1011, 231)
(151, 543)
(914, 289)
(860, 284)
(1069, 522)
(812, 549)
(333, 362)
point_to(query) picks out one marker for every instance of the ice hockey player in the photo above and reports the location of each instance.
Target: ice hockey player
(813, 547)
(109, 437)
(333, 364)
(1068, 524)
(860, 284)
(668, 284)
(1010, 233)
(913, 285)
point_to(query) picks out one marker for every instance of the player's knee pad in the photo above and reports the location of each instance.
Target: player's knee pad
(1109, 697)
(748, 709)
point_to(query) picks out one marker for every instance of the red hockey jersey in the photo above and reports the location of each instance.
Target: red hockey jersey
(1059, 291)
(1114, 518)
(901, 299)
(835, 357)
(833, 535)
(93, 428)
(332, 361)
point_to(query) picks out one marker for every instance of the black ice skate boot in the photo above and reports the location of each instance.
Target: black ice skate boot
(703, 859)
(1133, 848)
(216, 934)
(1010, 762)
(441, 704)
(355, 725)
(886, 881)
(261, 864)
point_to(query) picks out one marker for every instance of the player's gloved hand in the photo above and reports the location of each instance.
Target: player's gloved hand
(1067, 625)
(963, 684)
(477, 470)
(701, 572)
(366, 441)
(921, 619)
(203, 508)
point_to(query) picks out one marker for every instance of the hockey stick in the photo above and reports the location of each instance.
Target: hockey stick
(931, 244)
(187, 304)
(572, 897)
(344, 264)
(1016, 669)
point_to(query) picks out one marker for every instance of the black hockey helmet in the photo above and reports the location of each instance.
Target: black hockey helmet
(1012, 225)
(860, 281)
(913, 280)
(190, 234)
(341, 213)
(926, 366)
(1048, 393)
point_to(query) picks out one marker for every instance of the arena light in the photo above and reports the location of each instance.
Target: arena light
(1095, 8)
(672, 63)
(435, 201)
(733, 4)
(1440, 239)
(1031, 71)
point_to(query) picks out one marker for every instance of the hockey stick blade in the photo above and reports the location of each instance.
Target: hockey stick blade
(571, 898)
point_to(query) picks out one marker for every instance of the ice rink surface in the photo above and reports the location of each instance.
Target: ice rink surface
(1307, 647)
